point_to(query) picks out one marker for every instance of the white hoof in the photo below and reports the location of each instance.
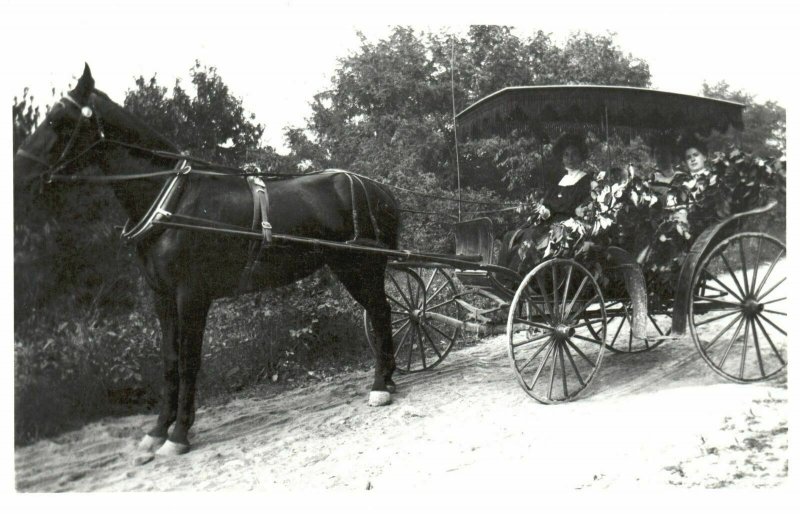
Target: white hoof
(379, 398)
(150, 444)
(170, 449)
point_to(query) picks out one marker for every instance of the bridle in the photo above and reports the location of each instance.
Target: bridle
(87, 113)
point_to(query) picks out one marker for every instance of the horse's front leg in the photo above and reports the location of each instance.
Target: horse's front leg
(192, 314)
(167, 313)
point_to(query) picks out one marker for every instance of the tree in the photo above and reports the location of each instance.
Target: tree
(25, 116)
(211, 125)
(389, 110)
(764, 123)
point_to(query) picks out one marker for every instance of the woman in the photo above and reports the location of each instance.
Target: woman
(519, 247)
(574, 184)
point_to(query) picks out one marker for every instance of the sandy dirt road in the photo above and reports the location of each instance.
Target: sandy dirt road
(659, 419)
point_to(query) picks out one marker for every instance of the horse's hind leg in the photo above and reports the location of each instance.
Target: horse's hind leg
(363, 277)
(192, 313)
(167, 313)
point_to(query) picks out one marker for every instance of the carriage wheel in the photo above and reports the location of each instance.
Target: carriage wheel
(420, 341)
(554, 354)
(739, 286)
(620, 337)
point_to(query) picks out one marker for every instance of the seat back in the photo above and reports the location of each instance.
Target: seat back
(476, 237)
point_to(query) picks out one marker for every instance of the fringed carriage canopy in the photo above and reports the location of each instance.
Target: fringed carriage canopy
(550, 111)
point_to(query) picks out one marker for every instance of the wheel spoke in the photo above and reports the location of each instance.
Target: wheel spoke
(394, 334)
(779, 329)
(409, 304)
(566, 293)
(575, 298)
(574, 367)
(543, 290)
(757, 347)
(744, 348)
(563, 370)
(552, 374)
(733, 340)
(421, 345)
(533, 324)
(439, 290)
(721, 332)
(579, 352)
(583, 338)
(721, 302)
(433, 343)
(653, 321)
(554, 269)
(583, 308)
(744, 267)
(430, 279)
(535, 354)
(769, 340)
(730, 313)
(619, 329)
(771, 289)
(404, 307)
(732, 274)
(769, 272)
(774, 301)
(779, 313)
(401, 343)
(755, 268)
(438, 305)
(529, 341)
(451, 339)
(399, 320)
(541, 365)
(724, 286)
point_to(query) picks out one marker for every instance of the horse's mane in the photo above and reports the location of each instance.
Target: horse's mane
(118, 117)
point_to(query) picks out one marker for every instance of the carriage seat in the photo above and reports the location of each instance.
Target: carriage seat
(476, 237)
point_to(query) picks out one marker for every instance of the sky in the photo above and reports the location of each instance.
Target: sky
(276, 55)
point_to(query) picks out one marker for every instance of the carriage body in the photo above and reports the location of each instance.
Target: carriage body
(561, 316)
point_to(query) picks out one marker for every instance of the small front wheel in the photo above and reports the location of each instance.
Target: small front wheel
(554, 353)
(425, 317)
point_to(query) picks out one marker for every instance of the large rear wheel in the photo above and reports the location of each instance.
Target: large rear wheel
(738, 307)
(553, 353)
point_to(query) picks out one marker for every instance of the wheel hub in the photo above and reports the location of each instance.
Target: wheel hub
(563, 332)
(751, 307)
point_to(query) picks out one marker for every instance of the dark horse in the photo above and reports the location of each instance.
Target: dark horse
(188, 269)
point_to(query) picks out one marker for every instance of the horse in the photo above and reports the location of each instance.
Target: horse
(188, 269)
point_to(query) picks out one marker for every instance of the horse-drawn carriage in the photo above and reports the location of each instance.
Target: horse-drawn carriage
(559, 319)
(202, 232)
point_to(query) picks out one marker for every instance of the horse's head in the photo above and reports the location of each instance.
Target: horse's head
(70, 130)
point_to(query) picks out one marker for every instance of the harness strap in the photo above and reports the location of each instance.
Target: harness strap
(260, 220)
(159, 209)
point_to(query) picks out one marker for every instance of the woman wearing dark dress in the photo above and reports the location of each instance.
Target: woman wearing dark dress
(559, 203)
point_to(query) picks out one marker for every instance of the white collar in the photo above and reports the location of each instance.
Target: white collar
(571, 178)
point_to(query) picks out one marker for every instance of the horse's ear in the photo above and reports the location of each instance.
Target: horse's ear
(85, 83)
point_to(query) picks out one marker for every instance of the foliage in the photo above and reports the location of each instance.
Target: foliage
(25, 115)
(625, 211)
(765, 123)
(211, 124)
